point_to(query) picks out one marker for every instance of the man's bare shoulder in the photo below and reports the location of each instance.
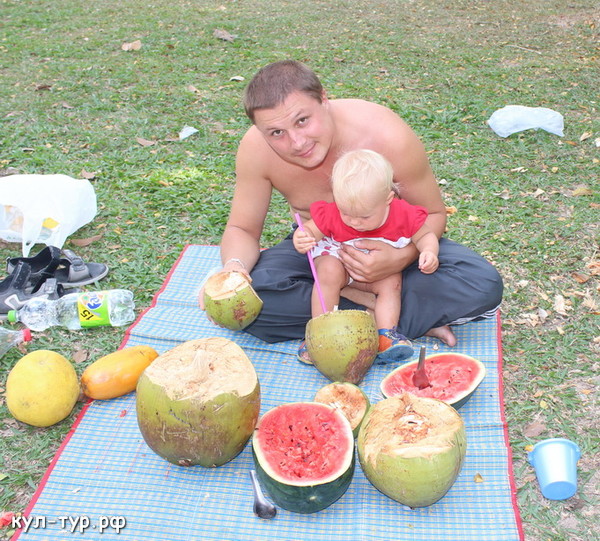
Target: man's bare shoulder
(370, 121)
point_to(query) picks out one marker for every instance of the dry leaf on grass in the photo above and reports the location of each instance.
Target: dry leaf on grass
(223, 34)
(80, 356)
(533, 430)
(145, 142)
(133, 46)
(85, 242)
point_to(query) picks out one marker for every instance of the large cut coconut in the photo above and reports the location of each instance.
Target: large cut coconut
(412, 448)
(230, 301)
(198, 403)
(342, 344)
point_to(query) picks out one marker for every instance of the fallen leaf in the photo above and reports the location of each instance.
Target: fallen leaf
(223, 34)
(451, 210)
(478, 478)
(472, 218)
(3, 476)
(66, 105)
(133, 46)
(543, 404)
(145, 142)
(585, 135)
(89, 175)
(80, 356)
(43, 86)
(529, 448)
(580, 278)
(86, 242)
(192, 88)
(6, 518)
(560, 305)
(534, 429)
(583, 190)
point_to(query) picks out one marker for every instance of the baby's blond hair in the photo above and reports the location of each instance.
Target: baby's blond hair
(361, 175)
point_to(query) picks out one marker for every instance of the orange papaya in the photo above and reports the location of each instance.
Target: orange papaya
(117, 373)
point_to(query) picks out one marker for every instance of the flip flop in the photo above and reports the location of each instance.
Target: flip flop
(13, 294)
(74, 272)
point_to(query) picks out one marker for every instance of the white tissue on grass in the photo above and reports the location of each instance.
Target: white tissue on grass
(515, 118)
(186, 132)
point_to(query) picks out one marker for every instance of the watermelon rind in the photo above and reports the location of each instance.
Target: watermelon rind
(306, 495)
(391, 385)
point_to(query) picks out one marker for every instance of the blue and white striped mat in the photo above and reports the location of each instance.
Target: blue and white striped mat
(105, 483)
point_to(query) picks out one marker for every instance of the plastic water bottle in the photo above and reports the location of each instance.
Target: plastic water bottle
(10, 338)
(78, 310)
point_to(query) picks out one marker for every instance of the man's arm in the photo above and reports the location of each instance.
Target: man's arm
(249, 207)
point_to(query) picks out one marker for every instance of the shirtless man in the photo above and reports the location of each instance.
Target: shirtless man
(296, 136)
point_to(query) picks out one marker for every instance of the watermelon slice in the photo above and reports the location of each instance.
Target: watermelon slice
(304, 455)
(454, 377)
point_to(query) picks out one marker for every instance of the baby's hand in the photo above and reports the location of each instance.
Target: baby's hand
(428, 262)
(303, 241)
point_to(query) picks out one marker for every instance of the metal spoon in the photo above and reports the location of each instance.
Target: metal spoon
(420, 379)
(262, 507)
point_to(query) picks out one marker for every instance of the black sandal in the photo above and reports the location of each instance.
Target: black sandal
(13, 292)
(42, 266)
(70, 271)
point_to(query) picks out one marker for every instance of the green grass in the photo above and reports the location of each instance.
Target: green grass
(73, 100)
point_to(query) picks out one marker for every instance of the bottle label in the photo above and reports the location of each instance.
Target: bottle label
(93, 309)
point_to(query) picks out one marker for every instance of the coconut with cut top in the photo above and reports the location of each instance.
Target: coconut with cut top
(198, 403)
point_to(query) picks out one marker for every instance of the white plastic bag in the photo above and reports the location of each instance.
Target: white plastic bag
(44, 208)
(515, 118)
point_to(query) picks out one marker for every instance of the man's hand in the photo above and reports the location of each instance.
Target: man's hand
(428, 262)
(381, 261)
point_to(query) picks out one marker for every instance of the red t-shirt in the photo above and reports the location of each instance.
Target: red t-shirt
(403, 221)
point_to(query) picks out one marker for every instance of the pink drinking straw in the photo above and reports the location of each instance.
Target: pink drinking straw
(312, 266)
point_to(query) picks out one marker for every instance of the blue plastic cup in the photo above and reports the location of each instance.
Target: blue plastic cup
(555, 463)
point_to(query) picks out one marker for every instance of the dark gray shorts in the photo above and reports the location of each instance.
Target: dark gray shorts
(463, 288)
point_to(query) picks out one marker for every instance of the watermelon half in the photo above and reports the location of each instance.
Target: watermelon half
(304, 455)
(454, 377)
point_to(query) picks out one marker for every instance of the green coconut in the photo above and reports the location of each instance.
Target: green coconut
(199, 402)
(347, 397)
(230, 301)
(412, 449)
(342, 344)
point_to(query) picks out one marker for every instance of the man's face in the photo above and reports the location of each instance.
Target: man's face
(300, 130)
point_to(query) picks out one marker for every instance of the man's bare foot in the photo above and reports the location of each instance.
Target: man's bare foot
(443, 333)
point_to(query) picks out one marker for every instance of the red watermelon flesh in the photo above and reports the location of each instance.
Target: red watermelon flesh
(304, 448)
(453, 378)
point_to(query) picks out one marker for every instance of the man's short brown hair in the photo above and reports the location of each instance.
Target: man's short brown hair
(273, 83)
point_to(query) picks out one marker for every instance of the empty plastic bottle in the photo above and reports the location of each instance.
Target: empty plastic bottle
(78, 310)
(10, 338)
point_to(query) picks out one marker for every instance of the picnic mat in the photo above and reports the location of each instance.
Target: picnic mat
(105, 483)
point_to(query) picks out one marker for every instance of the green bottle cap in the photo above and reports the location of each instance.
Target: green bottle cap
(12, 316)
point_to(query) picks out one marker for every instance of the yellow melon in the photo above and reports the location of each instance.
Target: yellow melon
(42, 388)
